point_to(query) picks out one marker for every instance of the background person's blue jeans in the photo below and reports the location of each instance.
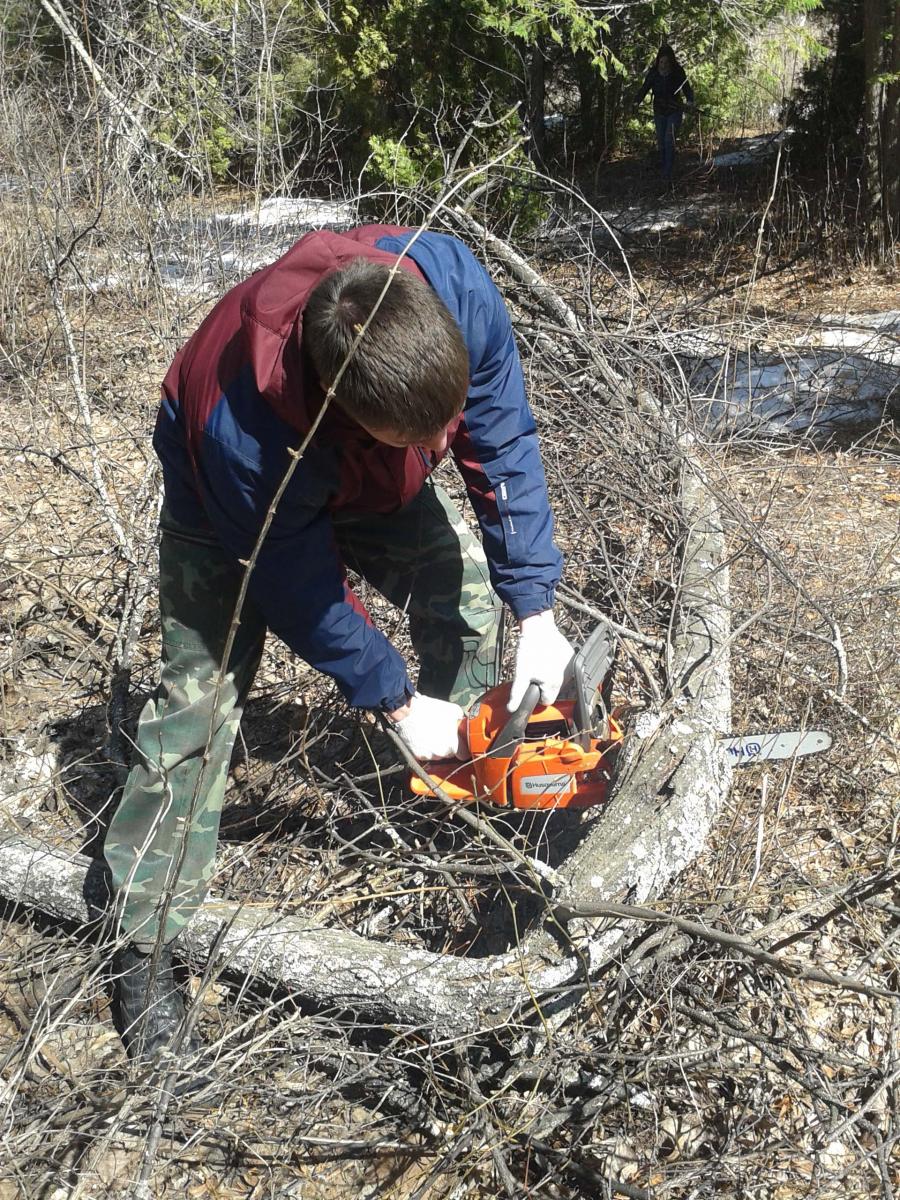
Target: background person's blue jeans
(666, 128)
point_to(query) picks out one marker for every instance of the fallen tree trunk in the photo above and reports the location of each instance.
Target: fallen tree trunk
(333, 966)
(674, 776)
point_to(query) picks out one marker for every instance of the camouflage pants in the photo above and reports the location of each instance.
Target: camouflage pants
(161, 842)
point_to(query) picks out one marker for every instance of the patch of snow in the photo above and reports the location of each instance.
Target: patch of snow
(818, 392)
(834, 1156)
(208, 254)
(306, 211)
(753, 150)
(660, 217)
(24, 785)
(555, 122)
(881, 322)
(103, 283)
(643, 217)
(243, 264)
(876, 334)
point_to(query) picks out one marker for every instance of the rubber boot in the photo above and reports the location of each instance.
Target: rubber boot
(149, 1006)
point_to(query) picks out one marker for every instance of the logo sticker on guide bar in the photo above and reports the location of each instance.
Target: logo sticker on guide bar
(759, 747)
(545, 785)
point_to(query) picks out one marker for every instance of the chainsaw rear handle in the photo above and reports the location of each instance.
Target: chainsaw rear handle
(513, 732)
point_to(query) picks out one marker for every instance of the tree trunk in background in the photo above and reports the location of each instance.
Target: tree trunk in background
(609, 99)
(873, 30)
(602, 145)
(881, 113)
(586, 75)
(891, 131)
(537, 71)
(610, 116)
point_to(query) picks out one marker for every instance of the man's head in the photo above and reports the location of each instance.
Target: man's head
(408, 377)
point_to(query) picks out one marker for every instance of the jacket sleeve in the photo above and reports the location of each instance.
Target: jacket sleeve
(645, 88)
(496, 449)
(299, 582)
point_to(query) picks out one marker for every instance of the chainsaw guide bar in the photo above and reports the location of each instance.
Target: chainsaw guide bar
(764, 747)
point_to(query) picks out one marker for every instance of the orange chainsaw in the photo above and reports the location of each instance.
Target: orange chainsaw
(542, 755)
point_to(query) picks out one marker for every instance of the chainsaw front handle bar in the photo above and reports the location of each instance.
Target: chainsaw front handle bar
(513, 732)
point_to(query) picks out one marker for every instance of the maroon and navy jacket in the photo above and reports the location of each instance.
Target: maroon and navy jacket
(242, 392)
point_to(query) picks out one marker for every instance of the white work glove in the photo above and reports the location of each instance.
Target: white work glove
(544, 656)
(431, 728)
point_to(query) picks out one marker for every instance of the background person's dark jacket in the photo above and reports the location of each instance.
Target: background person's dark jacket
(669, 91)
(242, 391)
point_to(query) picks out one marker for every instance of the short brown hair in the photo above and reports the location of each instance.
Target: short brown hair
(410, 372)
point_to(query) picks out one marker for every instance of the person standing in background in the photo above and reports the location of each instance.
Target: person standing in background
(668, 82)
